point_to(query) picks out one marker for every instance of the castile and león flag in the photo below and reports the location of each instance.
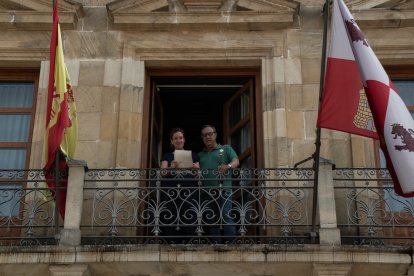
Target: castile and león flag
(379, 112)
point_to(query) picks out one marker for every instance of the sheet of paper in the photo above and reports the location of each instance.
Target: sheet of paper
(183, 158)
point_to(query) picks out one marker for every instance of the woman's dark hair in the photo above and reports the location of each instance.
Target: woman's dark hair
(175, 130)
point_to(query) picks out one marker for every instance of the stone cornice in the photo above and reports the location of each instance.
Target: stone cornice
(204, 254)
(252, 15)
(234, 21)
(390, 55)
(16, 54)
(37, 15)
(382, 18)
(35, 20)
(384, 4)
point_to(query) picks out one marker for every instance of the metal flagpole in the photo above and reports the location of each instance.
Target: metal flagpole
(318, 130)
(57, 160)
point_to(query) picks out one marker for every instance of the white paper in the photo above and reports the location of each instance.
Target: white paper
(183, 158)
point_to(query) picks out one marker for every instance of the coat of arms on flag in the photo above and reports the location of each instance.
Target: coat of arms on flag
(351, 64)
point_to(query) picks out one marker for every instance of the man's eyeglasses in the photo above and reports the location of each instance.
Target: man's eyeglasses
(207, 134)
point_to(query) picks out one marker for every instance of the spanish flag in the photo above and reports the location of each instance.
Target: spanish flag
(61, 117)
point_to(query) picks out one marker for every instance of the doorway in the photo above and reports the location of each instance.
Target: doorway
(187, 99)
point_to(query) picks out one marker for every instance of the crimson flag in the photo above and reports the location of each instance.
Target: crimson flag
(352, 62)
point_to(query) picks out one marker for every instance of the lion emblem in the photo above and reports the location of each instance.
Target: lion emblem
(355, 33)
(406, 137)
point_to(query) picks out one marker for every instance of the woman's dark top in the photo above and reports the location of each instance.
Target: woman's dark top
(169, 157)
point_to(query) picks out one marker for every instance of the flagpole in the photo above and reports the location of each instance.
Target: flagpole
(318, 130)
(57, 169)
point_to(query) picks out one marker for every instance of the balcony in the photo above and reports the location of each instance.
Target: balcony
(152, 206)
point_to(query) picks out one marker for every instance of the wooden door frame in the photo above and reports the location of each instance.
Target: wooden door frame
(229, 131)
(254, 72)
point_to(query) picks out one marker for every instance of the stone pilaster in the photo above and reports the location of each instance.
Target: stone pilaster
(328, 233)
(71, 234)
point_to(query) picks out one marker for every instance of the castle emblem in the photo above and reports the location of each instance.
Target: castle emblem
(363, 118)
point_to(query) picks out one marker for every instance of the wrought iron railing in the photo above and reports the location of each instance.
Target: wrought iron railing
(28, 207)
(197, 206)
(369, 212)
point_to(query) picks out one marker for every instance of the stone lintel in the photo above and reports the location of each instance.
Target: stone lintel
(206, 54)
(241, 21)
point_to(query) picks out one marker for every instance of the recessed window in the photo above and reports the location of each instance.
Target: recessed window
(17, 108)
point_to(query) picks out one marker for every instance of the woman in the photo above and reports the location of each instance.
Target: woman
(177, 140)
(178, 196)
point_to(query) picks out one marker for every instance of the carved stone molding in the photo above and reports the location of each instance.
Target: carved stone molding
(37, 14)
(379, 4)
(382, 13)
(192, 14)
(383, 18)
(331, 269)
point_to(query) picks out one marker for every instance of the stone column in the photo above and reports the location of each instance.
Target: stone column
(71, 234)
(69, 270)
(328, 233)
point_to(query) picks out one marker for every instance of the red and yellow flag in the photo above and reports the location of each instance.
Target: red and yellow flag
(61, 116)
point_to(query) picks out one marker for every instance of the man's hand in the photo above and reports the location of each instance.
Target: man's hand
(223, 168)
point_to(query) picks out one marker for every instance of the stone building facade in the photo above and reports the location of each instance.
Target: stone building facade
(127, 58)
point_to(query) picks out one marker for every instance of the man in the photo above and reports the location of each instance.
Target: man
(218, 160)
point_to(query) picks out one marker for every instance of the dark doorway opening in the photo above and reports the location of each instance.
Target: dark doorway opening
(191, 102)
(189, 99)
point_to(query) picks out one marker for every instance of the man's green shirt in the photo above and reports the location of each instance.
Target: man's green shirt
(222, 154)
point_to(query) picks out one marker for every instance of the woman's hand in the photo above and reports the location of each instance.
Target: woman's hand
(174, 164)
(196, 166)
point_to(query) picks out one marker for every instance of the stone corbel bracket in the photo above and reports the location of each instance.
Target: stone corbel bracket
(247, 15)
(38, 14)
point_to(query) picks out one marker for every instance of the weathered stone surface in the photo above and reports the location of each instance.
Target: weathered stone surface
(337, 150)
(89, 98)
(88, 126)
(305, 97)
(311, 70)
(96, 19)
(295, 124)
(91, 73)
(302, 149)
(293, 71)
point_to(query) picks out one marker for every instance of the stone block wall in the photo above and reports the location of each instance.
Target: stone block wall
(107, 67)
